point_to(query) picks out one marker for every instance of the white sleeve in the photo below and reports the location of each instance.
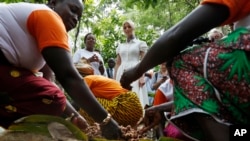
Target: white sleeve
(143, 46)
(167, 89)
(76, 56)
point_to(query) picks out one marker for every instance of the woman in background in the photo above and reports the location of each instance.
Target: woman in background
(128, 55)
(93, 57)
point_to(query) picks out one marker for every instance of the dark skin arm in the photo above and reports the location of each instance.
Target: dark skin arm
(47, 73)
(94, 58)
(75, 117)
(150, 120)
(167, 106)
(158, 83)
(59, 60)
(198, 22)
(101, 68)
(153, 117)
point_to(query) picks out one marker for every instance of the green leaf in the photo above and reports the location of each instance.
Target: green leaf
(40, 123)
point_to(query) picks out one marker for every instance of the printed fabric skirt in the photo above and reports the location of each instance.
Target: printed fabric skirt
(214, 79)
(22, 93)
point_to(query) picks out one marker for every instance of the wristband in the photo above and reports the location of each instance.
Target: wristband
(71, 117)
(106, 120)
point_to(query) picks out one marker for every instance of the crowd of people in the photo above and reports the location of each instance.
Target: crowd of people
(203, 84)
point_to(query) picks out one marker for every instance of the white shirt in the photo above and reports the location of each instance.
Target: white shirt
(19, 46)
(167, 89)
(80, 53)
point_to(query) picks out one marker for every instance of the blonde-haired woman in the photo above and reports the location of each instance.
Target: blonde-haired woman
(128, 55)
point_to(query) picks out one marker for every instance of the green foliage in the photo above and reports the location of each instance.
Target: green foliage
(30, 1)
(160, 13)
(108, 32)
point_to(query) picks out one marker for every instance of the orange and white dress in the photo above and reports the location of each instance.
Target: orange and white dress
(25, 30)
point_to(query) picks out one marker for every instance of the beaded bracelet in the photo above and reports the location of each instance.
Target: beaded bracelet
(106, 120)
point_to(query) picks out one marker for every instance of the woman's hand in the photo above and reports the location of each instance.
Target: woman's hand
(129, 76)
(101, 68)
(80, 122)
(94, 58)
(151, 118)
(163, 79)
(111, 130)
(141, 81)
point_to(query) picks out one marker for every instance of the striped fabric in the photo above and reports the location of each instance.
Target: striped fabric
(125, 109)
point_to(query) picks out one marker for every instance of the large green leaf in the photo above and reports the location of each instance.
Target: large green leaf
(40, 123)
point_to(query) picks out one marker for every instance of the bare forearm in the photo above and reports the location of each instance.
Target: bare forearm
(69, 110)
(156, 85)
(162, 107)
(87, 100)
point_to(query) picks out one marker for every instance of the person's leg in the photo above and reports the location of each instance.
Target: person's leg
(213, 130)
(159, 99)
(22, 94)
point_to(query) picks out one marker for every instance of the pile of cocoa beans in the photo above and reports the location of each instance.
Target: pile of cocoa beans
(128, 133)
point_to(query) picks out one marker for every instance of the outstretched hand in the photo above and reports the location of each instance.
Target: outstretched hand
(80, 122)
(129, 76)
(111, 130)
(151, 118)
